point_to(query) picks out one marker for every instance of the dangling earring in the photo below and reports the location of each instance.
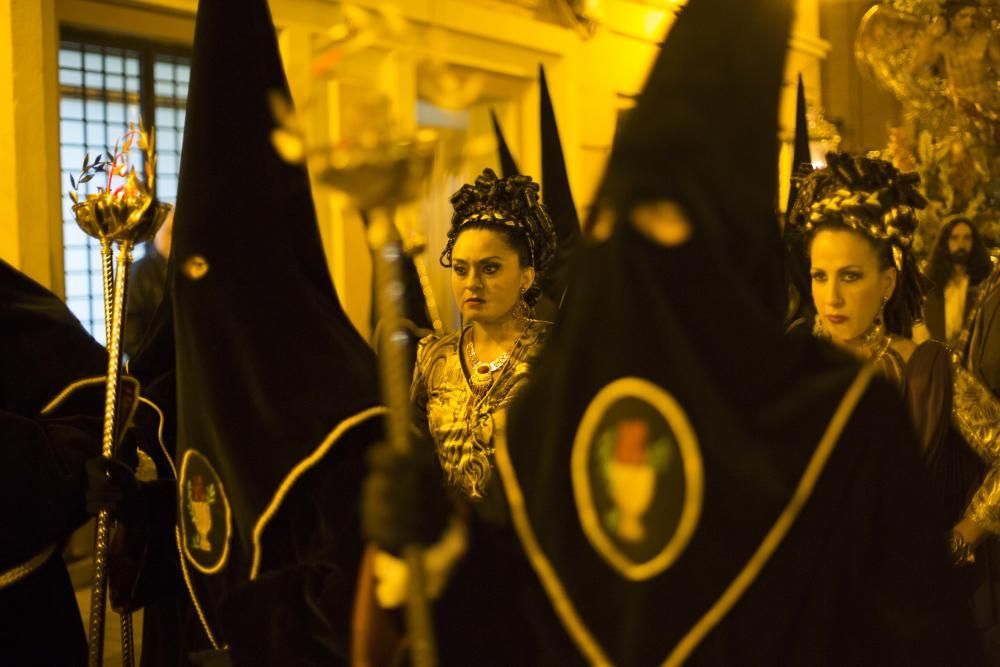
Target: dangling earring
(875, 334)
(522, 311)
(819, 331)
(881, 311)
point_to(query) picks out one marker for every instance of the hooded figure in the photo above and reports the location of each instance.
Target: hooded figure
(556, 196)
(801, 153)
(277, 396)
(51, 403)
(800, 309)
(687, 484)
(508, 165)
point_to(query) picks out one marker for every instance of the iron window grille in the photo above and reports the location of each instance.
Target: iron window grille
(106, 82)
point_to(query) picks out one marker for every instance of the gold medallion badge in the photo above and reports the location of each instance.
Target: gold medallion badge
(637, 477)
(205, 518)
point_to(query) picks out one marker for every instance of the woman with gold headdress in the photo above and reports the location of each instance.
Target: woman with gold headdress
(499, 246)
(858, 216)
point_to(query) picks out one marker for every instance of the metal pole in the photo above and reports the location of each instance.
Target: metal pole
(99, 593)
(425, 285)
(108, 270)
(128, 645)
(107, 267)
(393, 364)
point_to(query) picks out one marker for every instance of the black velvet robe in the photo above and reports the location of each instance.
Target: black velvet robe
(861, 577)
(43, 349)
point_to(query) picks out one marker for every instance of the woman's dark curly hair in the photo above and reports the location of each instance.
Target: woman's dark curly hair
(509, 206)
(939, 266)
(874, 199)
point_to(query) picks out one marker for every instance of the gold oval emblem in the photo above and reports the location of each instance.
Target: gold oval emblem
(637, 477)
(205, 518)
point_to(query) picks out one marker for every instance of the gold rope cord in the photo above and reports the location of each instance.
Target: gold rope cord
(159, 433)
(190, 587)
(19, 572)
(303, 466)
(65, 393)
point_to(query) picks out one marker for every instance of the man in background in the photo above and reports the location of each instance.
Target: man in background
(958, 264)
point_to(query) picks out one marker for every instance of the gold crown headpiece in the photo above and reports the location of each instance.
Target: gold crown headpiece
(864, 213)
(494, 217)
(868, 195)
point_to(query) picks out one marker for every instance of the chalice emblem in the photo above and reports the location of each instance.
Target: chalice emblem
(631, 472)
(200, 498)
(631, 478)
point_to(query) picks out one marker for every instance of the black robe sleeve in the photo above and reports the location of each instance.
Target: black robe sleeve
(43, 481)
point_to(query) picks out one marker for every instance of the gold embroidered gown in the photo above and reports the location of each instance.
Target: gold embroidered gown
(957, 420)
(458, 419)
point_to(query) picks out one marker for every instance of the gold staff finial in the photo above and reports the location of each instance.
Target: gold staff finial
(125, 212)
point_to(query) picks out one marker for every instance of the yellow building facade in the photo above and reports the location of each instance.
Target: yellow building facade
(490, 47)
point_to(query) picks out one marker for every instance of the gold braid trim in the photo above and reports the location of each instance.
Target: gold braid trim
(781, 526)
(498, 218)
(984, 508)
(300, 469)
(489, 216)
(159, 433)
(194, 596)
(65, 393)
(975, 412)
(865, 213)
(19, 572)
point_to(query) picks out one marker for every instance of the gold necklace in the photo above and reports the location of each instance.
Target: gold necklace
(874, 339)
(482, 373)
(877, 345)
(883, 356)
(880, 351)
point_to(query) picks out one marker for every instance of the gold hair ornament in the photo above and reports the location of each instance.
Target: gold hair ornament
(864, 213)
(497, 218)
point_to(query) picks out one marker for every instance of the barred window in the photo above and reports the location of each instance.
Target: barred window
(104, 84)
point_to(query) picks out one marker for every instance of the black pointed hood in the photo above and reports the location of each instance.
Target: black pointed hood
(801, 310)
(272, 378)
(801, 154)
(556, 193)
(701, 134)
(666, 370)
(508, 166)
